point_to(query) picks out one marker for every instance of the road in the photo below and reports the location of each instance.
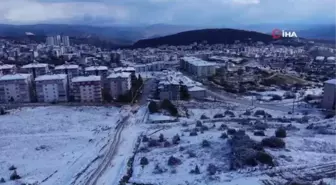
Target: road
(103, 166)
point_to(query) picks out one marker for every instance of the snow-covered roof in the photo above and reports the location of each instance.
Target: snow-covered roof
(124, 69)
(34, 65)
(332, 81)
(6, 66)
(119, 75)
(198, 62)
(196, 88)
(64, 66)
(320, 58)
(86, 78)
(19, 76)
(331, 58)
(51, 77)
(93, 68)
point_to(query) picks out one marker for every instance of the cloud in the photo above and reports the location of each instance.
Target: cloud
(191, 12)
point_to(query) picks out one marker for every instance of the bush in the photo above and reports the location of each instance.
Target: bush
(2, 180)
(204, 128)
(161, 138)
(222, 127)
(193, 133)
(231, 131)
(212, 169)
(199, 124)
(259, 113)
(265, 158)
(224, 136)
(260, 125)
(273, 142)
(153, 107)
(158, 169)
(166, 144)
(281, 133)
(259, 133)
(229, 113)
(276, 97)
(173, 161)
(14, 176)
(191, 154)
(218, 116)
(289, 95)
(247, 113)
(11, 168)
(144, 161)
(204, 117)
(196, 170)
(176, 139)
(152, 143)
(145, 138)
(205, 143)
(240, 132)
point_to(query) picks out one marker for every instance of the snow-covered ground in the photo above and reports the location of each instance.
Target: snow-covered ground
(51, 145)
(307, 150)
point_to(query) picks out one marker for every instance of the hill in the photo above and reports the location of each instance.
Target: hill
(212, 36)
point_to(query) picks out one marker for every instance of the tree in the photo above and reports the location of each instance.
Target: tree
(153, 107)
(196, 170)
(167, 105)
(2, 180)
(161, 138)
(173, 161)
(143, 161)
(176, 139)
(14, 176)
(205, 143)
(273, 142)
(184, 93)
(281, 133)
(139, 81)
(212, 169)
(107, 96)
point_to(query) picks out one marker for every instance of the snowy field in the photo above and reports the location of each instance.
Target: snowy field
(309, 149)
(50, 145)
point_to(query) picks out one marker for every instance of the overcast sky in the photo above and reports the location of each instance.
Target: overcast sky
(183, 12)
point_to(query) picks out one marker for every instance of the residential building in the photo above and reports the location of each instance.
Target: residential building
(16, 88)
(329, 94)
(52, 88)
(198, 67)
(120, 83)
(69, 69)
(97, 71)
(7, 69)
(87, 88)
(36, 69)
(65, 41)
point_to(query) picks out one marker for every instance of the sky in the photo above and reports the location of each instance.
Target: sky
(178, 12)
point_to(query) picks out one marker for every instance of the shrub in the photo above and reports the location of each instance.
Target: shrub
(196, 170)
(212, 169)
(247, 113)
(166, 144)
(260, 125)
(222, 127)
(229, 113)
(231, 131)
(289, 95)
(240, 132)
(259, 133)
(11, 168)
(144, 161)
(173, 161)
(199, 124)
(205, 143)
(259, 113)
(145, 138)
(158, 169)
(204, 128)
(276, 97)
(191, 154)
(152, 143)
(14, 176)
(204, 117)
(2, 180)
(218, 116)
(161, 138)
(281, 133)
(223, 136)
(153, 107)
(273, 142)
(265, 158)
(193, 133)
(176, 139)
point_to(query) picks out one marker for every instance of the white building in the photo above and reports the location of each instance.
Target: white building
(16, 88)
(120, 83)
(52, 88)
(87, 88)
(65, 41)
(36, 69)
(7, 69)
(71, 70)
(198, 67)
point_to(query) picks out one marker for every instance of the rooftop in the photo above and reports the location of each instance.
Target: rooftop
(198, 62)
(19, 76)
(34, 65)
(86, 78)
(65, 66)
(332, 81)
(93, 68)
(119, 75)
(6, 66)
(51, 77)
(124, 69)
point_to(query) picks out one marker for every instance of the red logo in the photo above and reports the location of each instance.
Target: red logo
(276, 34)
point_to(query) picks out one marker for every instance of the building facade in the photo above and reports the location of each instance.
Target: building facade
(120, 83)
(87, 89)
(197, 67)
(70, 70)
(52, 88)
(16, 88)
(329, 94)
(36, 69)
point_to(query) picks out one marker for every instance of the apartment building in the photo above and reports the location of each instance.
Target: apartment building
(329, 93)
(16, 88)
(97, 71)
(70, 70)
(87, 88)
(52, 88)
(198, 67)
(120, 83)
(7, 69)
(36, 69)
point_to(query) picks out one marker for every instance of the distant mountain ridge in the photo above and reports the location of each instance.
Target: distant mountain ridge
(212, 36)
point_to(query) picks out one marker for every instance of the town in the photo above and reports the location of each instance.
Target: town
(248, 112)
